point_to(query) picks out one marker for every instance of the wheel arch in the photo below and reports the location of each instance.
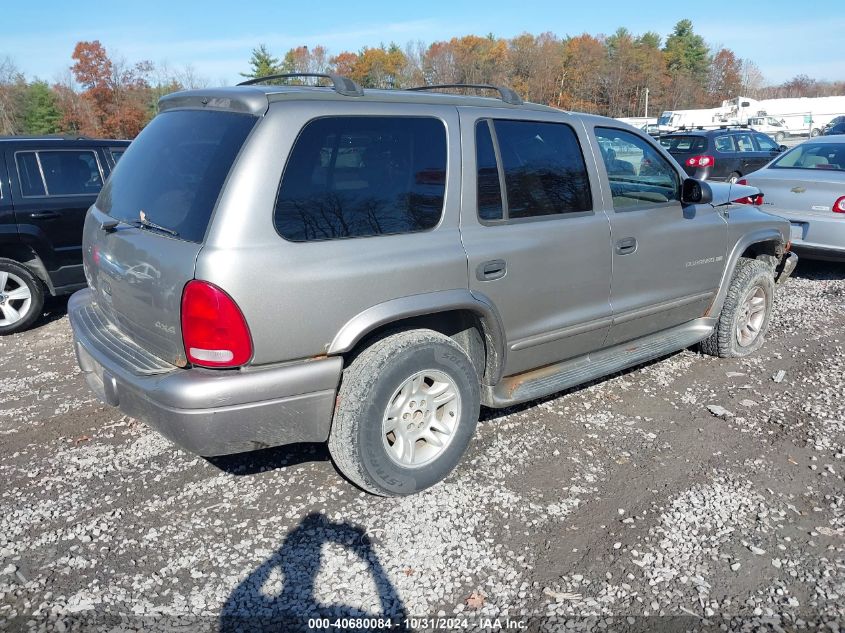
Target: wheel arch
(450, 312)
(28, 258)
(760, 244)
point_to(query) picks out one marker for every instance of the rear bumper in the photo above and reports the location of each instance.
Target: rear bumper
(815, 236)
(211, 412)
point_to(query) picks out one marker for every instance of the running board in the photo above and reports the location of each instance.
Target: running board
(550, 379)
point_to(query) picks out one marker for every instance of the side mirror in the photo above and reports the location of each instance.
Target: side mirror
(696, 192)
(782, 148)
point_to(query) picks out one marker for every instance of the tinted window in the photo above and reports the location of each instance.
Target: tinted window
(544, 169)
(175, 169)
(724, 144)
(639, 176)
(71, 172)
(489, 187)
(29, 174)
(684, 144)
(361, 176)
(116, 154)
(743, 143)
(765, 142)
(813, 156)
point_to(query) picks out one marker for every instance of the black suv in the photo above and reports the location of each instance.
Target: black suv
(46, 186)
(725, 153)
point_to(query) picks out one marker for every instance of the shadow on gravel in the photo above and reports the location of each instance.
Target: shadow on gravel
(268, 459)
(259, 603)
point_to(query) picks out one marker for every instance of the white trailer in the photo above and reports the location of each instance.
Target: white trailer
(671, 120)
(802, 116)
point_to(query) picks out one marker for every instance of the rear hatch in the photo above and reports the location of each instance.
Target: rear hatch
(143, 235)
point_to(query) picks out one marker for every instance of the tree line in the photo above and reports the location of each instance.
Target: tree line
(615, 75)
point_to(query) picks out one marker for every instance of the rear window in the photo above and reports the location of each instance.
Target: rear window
(363, 176)
(175, 169)
(684, 144)
(825, 156)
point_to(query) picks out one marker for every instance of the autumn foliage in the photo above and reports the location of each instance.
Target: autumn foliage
(614, 75)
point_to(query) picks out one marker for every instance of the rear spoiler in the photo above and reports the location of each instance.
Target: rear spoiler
(245, 100)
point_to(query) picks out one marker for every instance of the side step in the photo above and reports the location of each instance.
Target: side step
(550, 379)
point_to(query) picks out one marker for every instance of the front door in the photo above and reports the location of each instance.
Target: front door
(536, 238)
(667, 258)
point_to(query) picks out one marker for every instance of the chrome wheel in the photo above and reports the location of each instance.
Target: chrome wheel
(752, 315)
(421, 418)
(15, 298)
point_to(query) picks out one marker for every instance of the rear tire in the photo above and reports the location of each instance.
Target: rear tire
(21, 297)
(779, 136)
(406, 410)
(733, 177)
(746, 314)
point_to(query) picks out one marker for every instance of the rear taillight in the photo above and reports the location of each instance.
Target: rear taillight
(742, 181)
(839, 205)
(213, 329)
(755, 200)
(701, 161)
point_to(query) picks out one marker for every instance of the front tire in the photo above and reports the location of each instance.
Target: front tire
(406, 410)
(779, 136)
(21, 297)
(746, 313)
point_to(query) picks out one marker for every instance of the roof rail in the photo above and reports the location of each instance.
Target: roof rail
(342, 85)
(506, 94)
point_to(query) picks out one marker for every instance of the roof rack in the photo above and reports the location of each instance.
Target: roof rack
(506, 94)
(342, 85)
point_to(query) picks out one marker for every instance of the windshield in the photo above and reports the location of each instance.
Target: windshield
(829, 156)
(172, 174)
(684, 144)
(665, 118)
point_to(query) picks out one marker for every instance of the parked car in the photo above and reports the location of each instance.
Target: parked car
(46, 186)
(367, 267)
(836, 126)
(806, 185)
(721, 154)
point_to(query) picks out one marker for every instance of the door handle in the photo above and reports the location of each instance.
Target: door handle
(494, 269)
(44, 215)
(626, 246)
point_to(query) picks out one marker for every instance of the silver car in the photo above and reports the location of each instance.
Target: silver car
(806, 185)
(277, 264)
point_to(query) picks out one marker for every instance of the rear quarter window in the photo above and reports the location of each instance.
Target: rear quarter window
(363, 176)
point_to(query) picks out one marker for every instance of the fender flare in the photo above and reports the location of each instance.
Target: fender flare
(770, 234)
(425, 304)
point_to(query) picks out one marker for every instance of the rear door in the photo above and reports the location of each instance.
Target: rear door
(537, 240)
(54, 188)
(667, 258)
(750, 156)
(767, 148)
(8, 227)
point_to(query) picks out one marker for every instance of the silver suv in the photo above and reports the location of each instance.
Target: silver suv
(282, 264)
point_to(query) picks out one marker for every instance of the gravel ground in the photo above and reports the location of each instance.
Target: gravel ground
(703, 489)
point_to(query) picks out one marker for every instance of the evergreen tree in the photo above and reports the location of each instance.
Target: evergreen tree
(262, 63)
(686, 51)
(41, 110)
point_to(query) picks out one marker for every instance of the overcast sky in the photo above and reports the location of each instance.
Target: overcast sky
(783, 38)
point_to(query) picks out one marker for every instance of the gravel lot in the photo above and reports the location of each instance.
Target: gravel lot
(691, 487)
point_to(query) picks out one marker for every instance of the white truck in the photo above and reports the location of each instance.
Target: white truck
(672, 120)
(801, 116)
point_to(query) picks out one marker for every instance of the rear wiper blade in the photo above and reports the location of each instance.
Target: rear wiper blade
(145, 222)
